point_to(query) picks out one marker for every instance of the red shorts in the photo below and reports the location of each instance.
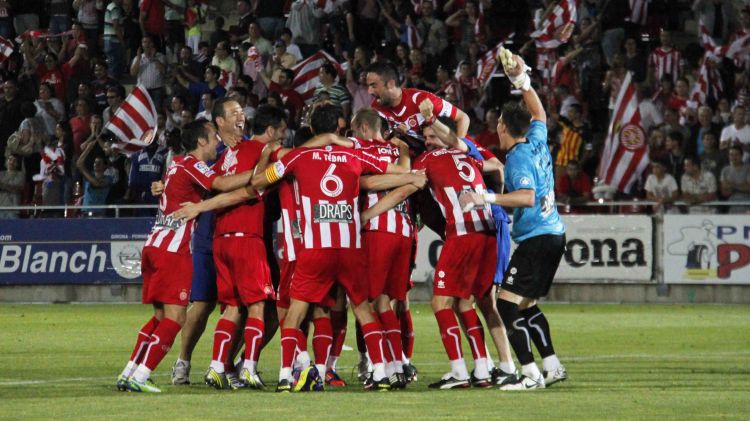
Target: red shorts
(466, 266)
(388, 263)
(242, 273)
(317, 270)
(167, 276)
(287, 270)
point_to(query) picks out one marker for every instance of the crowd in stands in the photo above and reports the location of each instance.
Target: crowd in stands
(74, 62)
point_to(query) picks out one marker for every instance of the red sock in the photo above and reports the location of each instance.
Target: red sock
(392, 334)
(322, 339)
(223, 336)
(338, 324)
(288, 346)
(361, 345)
(161, 341)
(450, 333)
(475, 332)
(373, 336)
(141, 343)
(407, 333)
(254, 331)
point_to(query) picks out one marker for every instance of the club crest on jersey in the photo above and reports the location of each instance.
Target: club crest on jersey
(203, 168)
(333, 212)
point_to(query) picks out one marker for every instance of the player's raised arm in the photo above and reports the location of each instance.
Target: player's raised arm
(462, 123)
(442, 131)
(516, 69)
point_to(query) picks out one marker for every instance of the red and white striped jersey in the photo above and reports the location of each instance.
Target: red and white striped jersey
(328, 181)
(290, 219)
(246, 217)
(450, 172)
(396, 220)
(188, 178)
(406, 114)
(664, 61)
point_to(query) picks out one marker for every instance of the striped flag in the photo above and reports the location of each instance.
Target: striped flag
(413, 40)
(134, 123)
(737, 49)
(708, 85)
(6, 49)
(638, 11)
(306, 73)
(625, 154)
(227, 79)
(547, 33)
(487, 63)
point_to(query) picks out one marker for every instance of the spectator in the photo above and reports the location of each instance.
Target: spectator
(146, 167)
(665, 59)
(207, 104)
(697, 186)
(174, 16)
(6, 20)
(672, 124)
(224, 60)
(11, 186)
(96, 183)
(328, 86)
(220, 34)
(432, 31)
(712, 159)
(304, 22)
(51, 174)
(735, 180)
(153, 22)
(150, 68)
(101, 83)
(468, 87)
(291, 47)
(175, 114)
(357, 87)
(488, 137)
(737, 133)
(80, 125)
(613, 79)
(114, 38)
(49, 108)
(280, 59)
(661, 187)
(115, 97)
(465, 20)
(573, 187)
(717, 16)
(701, 127)
(244, 12)
(59, 16)
(270, 15)
(291, 99)
(675, 154)
(255, 37)
(194, 19)
(33, 133)
(211, 84)
(10, 112)
(575, 132)
(26, 15)
(634, 60)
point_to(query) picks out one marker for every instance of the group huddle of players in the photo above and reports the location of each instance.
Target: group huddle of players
(348, 216)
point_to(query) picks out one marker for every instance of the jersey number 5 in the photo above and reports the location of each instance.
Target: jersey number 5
(465, 170)
(330, 179)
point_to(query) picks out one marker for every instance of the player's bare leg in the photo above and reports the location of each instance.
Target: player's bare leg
(195, 324)
(499, 336)
(171, 318)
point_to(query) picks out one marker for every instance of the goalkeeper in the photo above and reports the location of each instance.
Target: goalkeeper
(537, 228)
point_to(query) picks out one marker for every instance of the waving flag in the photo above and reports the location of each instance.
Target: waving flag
(625, 154)
(6, 49)
(306, 73)
(708, 86)
(638, 11)
(227, 79)
(134, 123)
(487, 63)
(547, 33)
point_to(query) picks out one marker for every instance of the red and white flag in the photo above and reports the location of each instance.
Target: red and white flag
(708, 86)
(638, 11)
(737, 49)
(306, 73)
(6, 49)
(625, 154)
(227, 79)
(487, 64)
(134, 123)
(547, 34)
(413, 40)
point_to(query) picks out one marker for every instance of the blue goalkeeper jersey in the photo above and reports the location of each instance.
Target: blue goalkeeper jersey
(528, 165)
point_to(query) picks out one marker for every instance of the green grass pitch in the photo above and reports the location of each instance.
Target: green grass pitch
(624, 362)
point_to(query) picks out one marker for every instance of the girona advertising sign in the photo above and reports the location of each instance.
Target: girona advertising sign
(72, 251)
(707, 249)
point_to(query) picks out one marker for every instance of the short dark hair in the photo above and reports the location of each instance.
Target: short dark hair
(325, 118)
(385, 70)
(288, 73)
(516, 118)
(329, 69)
(267, 116)
(118, 90)
(693, 158)
(302, 135)
(192, 132)
(369, 116)
(737, 148)
(676, 136)
(218, 108)
(215, 70)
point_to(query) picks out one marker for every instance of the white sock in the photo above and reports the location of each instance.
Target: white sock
(378, 372)
(509, 367)
(331, 363)
(218, 366)
(459, 370)
(142, 373)
(404, 359)
(250, 366)
(180, 360)
(490, 363)
(480, 368)
(129, 368)
(303, 359)
(398, 366)
(321, 370)
(389, 369)
(550, 363)
(285, 373)
(531, 370)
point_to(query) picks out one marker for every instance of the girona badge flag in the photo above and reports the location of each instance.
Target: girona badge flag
(134, 123)
(306, 73)
(626, 151)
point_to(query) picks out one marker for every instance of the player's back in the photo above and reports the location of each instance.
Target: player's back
(187, 180)
(450, 172)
